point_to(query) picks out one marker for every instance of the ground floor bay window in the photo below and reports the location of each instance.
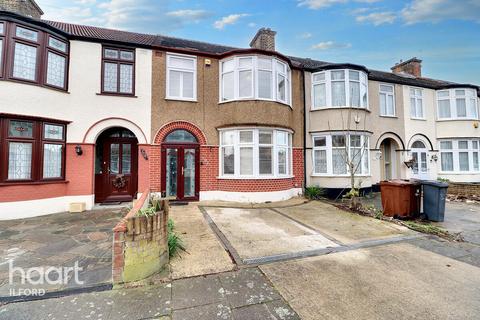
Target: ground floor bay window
(460, 156)
(255, 153)
(31, 150)
(333, 153)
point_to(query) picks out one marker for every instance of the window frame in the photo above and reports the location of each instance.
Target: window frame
(417, 98)
(3, 55)
(469, 96)
(38, 142)
(363, 89)
(364, 144)
(456, 150)
(387, 95)
(168, 56)
(255, 79)
(118, 61)
(255, 154)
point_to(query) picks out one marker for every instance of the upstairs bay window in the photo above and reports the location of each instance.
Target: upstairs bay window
(332, 153)
(118, 71)
(255, 153)
(460, 156)
(255, 77)
(457, 104)
(33, 56)
(181, 77)
(339, 88)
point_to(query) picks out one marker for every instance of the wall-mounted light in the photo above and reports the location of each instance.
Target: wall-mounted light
(475, 125)
(378, 155)
(78, 150)
(434, 157)
(410, 163)
(144, 154)
(208, 62)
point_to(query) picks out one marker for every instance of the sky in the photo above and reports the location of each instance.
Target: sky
(445, 34)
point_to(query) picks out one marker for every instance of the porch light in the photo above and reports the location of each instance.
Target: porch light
(78, 150)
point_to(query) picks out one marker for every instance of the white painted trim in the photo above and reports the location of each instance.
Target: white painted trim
(95, 131)
(252, 197)
(167, 77)
(41, 207)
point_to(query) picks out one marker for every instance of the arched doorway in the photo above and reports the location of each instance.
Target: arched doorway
(116, 165)
(420, 163)
(181, 166)
(389, 160)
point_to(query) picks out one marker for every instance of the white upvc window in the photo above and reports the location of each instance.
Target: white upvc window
(332, 153)
(460, 155)
(457, 103)
(255, 77)
(339, 88)
(255, 153)
(181, 77)
(416, 104)
(387, 100)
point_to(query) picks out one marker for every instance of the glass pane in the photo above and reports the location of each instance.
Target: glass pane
(281, 67)
(281, 87)
(418, 145)
(189, 173)
(265, 84)
(319, 77)
(21, 129)
(114, 158)
(419, 108)
(265, 63)
(475, 144)
(265, 160)
(180, 136)
(462, 144)
(265, 137)
(53, 132)
(227, 85)
(460, 92)
(126, 78)
(461, 108)
(126, 158)
(338, 141)
(246, 160)
(111, 54)
(52, 160)
(246, 136)
(354, 94)
(383, 104)
(463, 161)
(1, 28)
(338, 75)
(282, 138)
(228, 157)
(354, 75)
(282, 161)
(25, 62)
(174, 83)
(188, 85)
(446, 145)
(56, 70)
(475, 161)
(415, 162)
(182, 63)
(245, 83)
(355, 141)
(320, 142)
(443, 94)
(245, 62)
(423, 158)
(319, 95)
(338, 161)
(1, 54)
(228, 66)
(320, 161)
(385, 88)
(19, 161)
(228, 137)
(57, 44)
(171, 174)
(126, 55)
(338, 94)
(390, 106)
(444, 109)
(447, 161)
(110, 77)
(26, 34)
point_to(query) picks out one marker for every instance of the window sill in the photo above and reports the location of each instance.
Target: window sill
(36, 84)
(457, 119)
(339, 175)
(18, 183)
(340, 108)
(182, 100)
(457, 173)
(384, 116)
(254, 178)
(117, 95)
(255, 99)
(420, 119)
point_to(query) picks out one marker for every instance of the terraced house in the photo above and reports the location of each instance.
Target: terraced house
(91, 115)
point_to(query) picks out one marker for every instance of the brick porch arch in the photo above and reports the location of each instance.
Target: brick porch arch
(176, 125)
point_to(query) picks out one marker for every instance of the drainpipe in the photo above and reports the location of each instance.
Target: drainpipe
(304, 132)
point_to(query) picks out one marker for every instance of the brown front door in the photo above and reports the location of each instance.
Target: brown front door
(180, 171)
(116, 176)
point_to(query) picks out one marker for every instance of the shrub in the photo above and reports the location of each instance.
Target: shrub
(174, 240)
(314, 192)
(443, 179)
(353, 193)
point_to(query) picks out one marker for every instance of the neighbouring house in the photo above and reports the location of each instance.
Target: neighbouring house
(91, 115)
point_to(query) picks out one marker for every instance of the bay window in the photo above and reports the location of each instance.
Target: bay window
(457, 104)
(118, 71)
(33, 56)
(255, 77)
(34, 150)
(339, 88)
(333, 152)
(416, 103)
(181, 77)
(255, 153)
(387, 100)
(460, 155)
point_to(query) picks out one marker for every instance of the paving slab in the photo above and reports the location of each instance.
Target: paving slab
(193, 292)
(396, 281)
(263, 232)
(214, 311)
(346, 227)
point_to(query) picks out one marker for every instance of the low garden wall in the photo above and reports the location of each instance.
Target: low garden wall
(464, 189)
(140, 244)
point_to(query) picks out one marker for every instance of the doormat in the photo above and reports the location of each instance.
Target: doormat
(178, 203)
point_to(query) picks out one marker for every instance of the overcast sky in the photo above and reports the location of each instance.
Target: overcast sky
(445, 34)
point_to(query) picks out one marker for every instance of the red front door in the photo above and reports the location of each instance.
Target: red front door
(180, 171)
(116, 176)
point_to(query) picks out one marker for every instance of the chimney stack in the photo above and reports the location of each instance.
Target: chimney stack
(27, 8)
(412, 67)
(264, 40)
